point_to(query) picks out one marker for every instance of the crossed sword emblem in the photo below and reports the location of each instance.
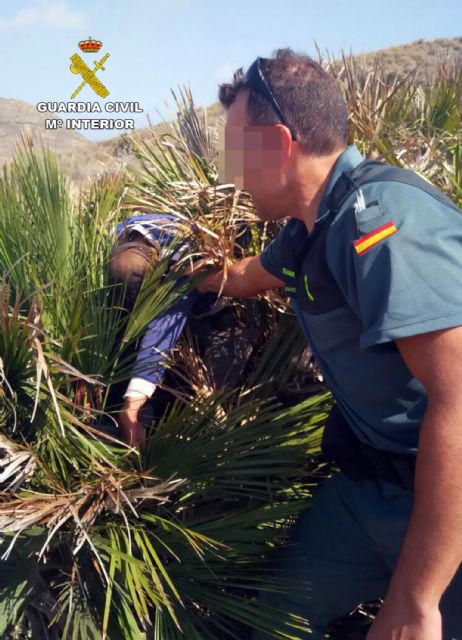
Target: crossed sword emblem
(88, 75)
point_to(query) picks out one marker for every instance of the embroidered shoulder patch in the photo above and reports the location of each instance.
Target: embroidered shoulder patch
(364, 243)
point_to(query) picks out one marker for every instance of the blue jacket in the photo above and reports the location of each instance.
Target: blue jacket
(163, 332)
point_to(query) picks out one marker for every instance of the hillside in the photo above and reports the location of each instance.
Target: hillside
(84, 158)
(424, 56)
(16, 115)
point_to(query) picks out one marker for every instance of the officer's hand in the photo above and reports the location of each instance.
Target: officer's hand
(129, 421)
(399, 621)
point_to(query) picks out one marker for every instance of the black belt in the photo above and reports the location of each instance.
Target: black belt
(359, 460)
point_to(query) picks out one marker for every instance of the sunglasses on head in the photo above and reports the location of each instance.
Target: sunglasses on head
(255, 79)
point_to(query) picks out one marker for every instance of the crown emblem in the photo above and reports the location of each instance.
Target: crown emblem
(90, 45)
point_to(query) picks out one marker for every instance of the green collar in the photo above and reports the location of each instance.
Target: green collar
(346, 161)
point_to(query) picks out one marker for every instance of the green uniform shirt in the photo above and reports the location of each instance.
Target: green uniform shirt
(390, 267)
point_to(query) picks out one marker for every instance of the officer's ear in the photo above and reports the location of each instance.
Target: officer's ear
(286, 144)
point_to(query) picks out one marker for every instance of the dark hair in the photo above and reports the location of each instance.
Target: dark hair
(309, 97)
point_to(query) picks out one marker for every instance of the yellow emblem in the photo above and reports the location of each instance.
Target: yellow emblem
(89, 75)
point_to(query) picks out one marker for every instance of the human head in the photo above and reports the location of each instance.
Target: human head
(128, 265)
(260, 153)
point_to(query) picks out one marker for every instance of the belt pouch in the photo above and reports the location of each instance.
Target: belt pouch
(341, 447)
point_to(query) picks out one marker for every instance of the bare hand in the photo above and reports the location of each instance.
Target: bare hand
(398, 621)
(130, 422)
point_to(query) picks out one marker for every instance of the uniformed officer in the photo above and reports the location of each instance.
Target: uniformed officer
(373, 263)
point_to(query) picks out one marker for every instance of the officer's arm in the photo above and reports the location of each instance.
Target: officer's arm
(244, 279)
(432, 548)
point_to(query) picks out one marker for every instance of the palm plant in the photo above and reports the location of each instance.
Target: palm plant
(407, 122)
(97, 540)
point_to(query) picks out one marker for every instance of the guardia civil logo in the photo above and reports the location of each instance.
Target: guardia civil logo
(90, 84)
(88, 75)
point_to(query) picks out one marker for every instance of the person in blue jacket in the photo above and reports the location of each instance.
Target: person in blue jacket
(129, 263)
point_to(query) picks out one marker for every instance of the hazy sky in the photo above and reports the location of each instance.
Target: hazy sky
(157, 45)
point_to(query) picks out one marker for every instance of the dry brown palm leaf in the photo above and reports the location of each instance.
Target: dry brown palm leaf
(196, 373)
(17, 464)
(113, 492)
(180, 177)
(189, 367)
(212, 218)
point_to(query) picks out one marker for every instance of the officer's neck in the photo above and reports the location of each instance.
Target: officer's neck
(309, 178)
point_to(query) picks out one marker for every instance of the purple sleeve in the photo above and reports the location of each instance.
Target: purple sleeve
(160, 338)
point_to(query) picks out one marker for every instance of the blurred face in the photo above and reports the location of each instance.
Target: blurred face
(253, 157)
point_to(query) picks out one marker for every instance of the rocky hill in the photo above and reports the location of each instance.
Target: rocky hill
(16, 116)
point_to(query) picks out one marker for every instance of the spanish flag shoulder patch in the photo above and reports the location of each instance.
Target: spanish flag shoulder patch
(364, 243)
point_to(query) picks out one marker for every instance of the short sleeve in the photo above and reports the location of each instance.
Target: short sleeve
(403, 265)
(278, 257)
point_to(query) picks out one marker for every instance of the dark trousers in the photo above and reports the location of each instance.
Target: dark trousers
(342, 552)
